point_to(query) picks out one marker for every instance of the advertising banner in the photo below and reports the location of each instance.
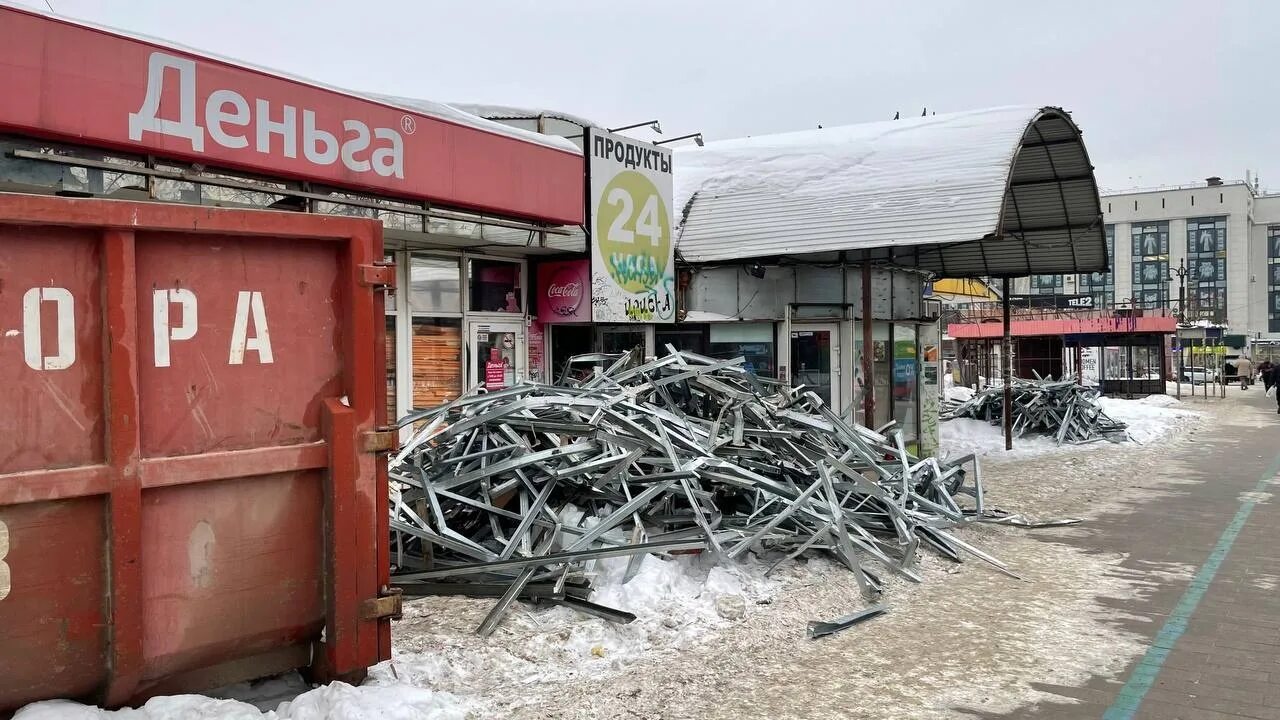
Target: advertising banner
(98, 87)
(1060, 302)
(630, 221)
(564, 292)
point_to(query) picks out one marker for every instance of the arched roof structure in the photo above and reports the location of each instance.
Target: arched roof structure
(1002, 192)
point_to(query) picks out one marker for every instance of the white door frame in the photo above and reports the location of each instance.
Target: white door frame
(837, 378)
(513, 324)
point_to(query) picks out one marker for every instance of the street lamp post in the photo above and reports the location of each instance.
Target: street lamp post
(1181, 272)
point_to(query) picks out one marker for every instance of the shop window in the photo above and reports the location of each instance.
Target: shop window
(437, 361)
(391, 367)
(751, 341)
(1207, 265)
(1102, 286)
(881, 366)
(905, 371)
(567, 341)
(622, 339)
(495, 286)
(434, 285)
(1150, 252)
(1273, 278)
(1046, 284)
(685, 338)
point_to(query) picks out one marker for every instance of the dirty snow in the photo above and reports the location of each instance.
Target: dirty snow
(725, 641)
(1149, 418)
(336, 701)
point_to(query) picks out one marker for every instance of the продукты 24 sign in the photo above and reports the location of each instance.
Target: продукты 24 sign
(632, 248)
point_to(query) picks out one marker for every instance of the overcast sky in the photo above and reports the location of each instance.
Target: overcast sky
(1166, 92)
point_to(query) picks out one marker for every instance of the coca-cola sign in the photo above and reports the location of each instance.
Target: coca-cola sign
(563, 292)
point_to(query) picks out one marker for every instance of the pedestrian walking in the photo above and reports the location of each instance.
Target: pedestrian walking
(1264, 372)
(1244, 371)
(1275, 382)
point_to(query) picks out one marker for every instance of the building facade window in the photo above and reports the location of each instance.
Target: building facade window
(1150, 264)
(1207, 269)
(1102, 286)
(1046, 284)
(1273, 278)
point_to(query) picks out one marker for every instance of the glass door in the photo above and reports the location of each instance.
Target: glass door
(495, 354)
(815, 360)
(624, 338)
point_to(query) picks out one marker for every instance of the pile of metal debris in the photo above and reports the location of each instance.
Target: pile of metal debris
(1063, 409)
(513, 493)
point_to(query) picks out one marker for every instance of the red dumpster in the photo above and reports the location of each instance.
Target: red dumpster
(190, 492)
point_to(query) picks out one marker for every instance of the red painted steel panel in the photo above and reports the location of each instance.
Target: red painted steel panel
(230, 568)
(60, 410)
(215, 522)
(200, 402)
(1065, 326)
(53, 622)
(77, 83)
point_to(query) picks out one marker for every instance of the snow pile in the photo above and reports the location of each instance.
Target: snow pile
(337, 701)
(962, 436)
(676, 602)
(1148, 419)
(959, 393)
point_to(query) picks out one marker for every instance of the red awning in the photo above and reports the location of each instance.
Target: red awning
(81, 84)
(1065, 326)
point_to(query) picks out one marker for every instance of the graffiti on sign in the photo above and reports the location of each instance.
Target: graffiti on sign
(632, 251)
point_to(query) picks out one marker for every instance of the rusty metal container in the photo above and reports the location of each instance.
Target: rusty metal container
(190, 414)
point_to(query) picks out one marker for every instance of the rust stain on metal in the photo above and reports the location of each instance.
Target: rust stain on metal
(199, 552)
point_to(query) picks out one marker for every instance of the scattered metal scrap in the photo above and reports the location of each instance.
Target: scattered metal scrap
(1063, 409)
(819, 628)
(512, 493)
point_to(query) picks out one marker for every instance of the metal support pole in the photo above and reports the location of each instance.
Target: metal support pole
(868, 349)
(1006, 369)
(1079, 365)
(1222, 367)
(1177, 368)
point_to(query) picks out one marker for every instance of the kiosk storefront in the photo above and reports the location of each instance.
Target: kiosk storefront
(464, 202)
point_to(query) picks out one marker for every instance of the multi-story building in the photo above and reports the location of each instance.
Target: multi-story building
(1225, 235)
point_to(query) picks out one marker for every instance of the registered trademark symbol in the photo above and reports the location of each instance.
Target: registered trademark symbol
(408, 124)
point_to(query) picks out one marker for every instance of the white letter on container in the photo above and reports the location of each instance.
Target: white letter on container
(261, 341)
(32, 345)
(389, 161)
(351, 146)
(161, 329)
(287, 128)
(313, 140)
(214, 117)
(6, 580)
(145, 119)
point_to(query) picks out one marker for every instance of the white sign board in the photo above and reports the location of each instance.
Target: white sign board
(1089, 365)
(633, 273)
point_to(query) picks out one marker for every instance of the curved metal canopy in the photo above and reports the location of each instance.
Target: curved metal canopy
(1003, 192)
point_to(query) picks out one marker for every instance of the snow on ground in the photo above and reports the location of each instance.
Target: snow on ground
(1148, 419)
(677, 602)
(738, 635)
(398, 701)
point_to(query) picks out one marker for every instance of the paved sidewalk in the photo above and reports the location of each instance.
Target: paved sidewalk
(1214, 641)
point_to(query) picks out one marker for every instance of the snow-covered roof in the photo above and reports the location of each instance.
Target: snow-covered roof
(429, 108)
(508, 112)
(1003, 192)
